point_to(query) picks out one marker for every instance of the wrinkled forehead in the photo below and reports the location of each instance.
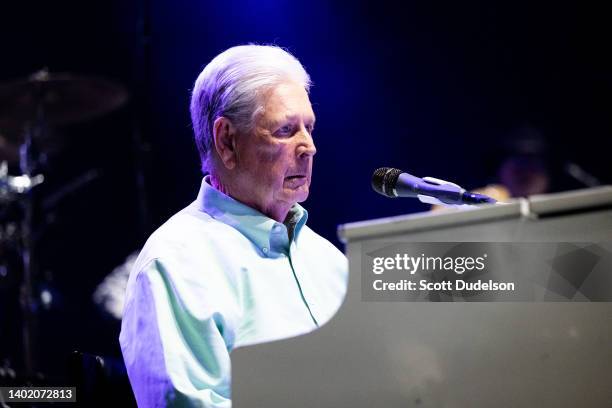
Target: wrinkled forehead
(287, 101)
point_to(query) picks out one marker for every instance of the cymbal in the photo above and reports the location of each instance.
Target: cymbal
(64, 98)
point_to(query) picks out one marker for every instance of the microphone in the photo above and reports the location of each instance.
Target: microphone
(394, 183)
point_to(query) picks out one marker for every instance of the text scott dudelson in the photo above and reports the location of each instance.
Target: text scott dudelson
(458, 285)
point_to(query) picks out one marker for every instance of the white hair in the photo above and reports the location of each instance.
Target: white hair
(231, 86)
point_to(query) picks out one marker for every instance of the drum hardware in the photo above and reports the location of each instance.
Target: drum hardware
(28, 108)
(10, 185)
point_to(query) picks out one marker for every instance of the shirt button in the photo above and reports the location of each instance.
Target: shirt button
(265, 250)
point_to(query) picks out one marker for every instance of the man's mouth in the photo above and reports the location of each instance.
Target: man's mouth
(296, 180)
(296, 176)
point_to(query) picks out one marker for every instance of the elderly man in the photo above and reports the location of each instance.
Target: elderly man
(239, 265)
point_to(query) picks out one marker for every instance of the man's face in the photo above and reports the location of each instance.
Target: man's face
(274, 162)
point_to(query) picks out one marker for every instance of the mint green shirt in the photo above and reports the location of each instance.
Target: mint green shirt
(216, 276)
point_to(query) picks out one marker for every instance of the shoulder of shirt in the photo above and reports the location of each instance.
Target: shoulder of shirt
(185, 234)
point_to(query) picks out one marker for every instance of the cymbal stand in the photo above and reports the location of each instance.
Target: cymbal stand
(23, 185)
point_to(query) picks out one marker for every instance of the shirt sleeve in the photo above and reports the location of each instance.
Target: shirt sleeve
(173, 357)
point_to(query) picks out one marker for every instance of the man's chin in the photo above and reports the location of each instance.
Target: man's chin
(297, 195)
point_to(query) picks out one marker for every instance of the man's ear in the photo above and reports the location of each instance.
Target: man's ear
(224, 139)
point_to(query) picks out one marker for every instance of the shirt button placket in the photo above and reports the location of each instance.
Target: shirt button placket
(307, 291)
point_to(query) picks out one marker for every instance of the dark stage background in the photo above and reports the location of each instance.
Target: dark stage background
(432, 88)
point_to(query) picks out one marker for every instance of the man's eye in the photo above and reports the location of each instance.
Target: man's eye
(310, 128)
(285, 130)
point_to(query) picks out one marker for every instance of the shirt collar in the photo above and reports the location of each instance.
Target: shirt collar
(270, 236)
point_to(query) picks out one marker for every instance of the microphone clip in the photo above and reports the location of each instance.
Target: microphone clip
(434, 201)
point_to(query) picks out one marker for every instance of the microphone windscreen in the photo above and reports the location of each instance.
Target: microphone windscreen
(384, 180)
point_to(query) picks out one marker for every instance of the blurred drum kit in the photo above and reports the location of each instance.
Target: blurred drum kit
(30, 108)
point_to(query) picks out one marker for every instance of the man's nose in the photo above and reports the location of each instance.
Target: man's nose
(306, 146)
